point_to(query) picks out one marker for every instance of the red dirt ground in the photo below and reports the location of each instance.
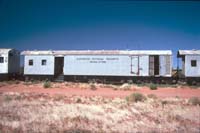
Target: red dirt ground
(184, 92)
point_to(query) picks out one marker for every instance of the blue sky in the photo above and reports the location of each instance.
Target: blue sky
(100, 24)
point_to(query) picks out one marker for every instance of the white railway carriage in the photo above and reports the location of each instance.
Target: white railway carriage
(190, 62)
(98, 63)
(190, 65)
(9, 63)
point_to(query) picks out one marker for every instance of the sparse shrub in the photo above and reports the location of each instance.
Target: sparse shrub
(91, 81)
(163, 103)
(7, 98)
(18, 97)
(47, 84)
(59, 97)
(177, 97)
(139, 82)
(153, 86)
(114, 88)
(27, 83)
(56, 86)
(93, 87)
(174, 81)
(130, 82)
(67, 84)
(135, 97)
(35, 81)
(2, 84)
(194, 101)
(16, 81)
(78, 100)
(77, 130)
(152, 96)
(83, 85)
(13, 82)
(194, 83)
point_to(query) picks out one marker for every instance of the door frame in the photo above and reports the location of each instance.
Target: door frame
(138, 63)
(58, 65)
(155, 61)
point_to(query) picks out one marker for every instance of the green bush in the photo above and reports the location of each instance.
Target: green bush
(47, 84)
(153, 87)
(194, 101)
(136, 97)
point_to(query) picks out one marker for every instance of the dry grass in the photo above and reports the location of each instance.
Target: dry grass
(153, 96)
(28, 112)
(125, 87)
(135, 97)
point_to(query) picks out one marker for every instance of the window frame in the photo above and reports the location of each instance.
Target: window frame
(3, 60)
(43, 62)
(193, 63)
(30, 62)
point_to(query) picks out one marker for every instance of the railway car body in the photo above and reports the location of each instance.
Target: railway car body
(65, 64)
(9, 63)
(190, 65)
(39, 64)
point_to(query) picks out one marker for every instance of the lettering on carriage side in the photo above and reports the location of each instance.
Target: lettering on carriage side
(82, 58)
(112, 58)
(97, 59)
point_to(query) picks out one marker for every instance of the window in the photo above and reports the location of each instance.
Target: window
(1, 59)
(44, 62)
(193, 63)
(30, 63)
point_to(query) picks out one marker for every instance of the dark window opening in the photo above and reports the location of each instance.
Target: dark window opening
(156, 65)
(59, 64)
(30, 62)
(193, 63)
(44, 62)
(1, 59)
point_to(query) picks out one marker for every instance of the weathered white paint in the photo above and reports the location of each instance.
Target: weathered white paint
(97, 65)
(38, 68)
(134, 64)
(105, 65)
(99, 52)
(11, 62)
(162, 71)
(118, 64)
(144, 65)
(4, 65)
(189, 70)
(165, 65)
